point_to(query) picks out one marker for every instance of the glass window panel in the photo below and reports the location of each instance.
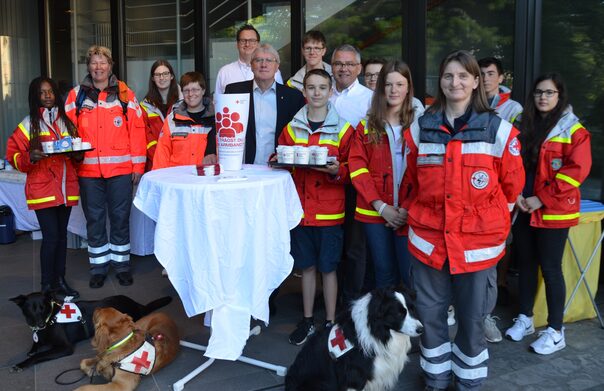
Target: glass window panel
(573, 45)
(485, 28)
(375, 27)
(158, 30)
(19, 54)
(272, 19)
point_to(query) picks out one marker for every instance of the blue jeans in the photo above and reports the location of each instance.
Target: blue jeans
(389, 254)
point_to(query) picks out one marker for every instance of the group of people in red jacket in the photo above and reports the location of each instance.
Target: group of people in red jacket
(438, 191)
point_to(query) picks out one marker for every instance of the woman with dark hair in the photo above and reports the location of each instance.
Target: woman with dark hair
(51, 187)
(162, 94)
(377, 167)
(464, 173)
(557, 159)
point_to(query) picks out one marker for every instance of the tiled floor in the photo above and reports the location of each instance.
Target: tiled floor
(511, 367)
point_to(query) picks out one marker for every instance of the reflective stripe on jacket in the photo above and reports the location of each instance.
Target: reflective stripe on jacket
(119, 140)
(459, 190)
(154, 121)
(505, 107)
(182, 141)
(564, 163)
(51, 181)
(322, 195)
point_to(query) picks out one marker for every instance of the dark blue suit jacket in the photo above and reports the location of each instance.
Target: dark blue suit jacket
(289, 102)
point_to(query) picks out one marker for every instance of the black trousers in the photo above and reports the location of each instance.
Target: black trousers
(53, 252)
(540, 247)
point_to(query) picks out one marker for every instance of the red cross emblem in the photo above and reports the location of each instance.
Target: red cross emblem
(140, 362)
(67, 311)
(339, 339)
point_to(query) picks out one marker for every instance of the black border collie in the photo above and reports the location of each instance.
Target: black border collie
(366, 348)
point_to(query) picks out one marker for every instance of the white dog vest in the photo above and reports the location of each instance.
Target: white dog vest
(337, 344)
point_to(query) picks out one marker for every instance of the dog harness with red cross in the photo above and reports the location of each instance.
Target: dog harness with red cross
(140, 361)
(69, 312)
(337, 344)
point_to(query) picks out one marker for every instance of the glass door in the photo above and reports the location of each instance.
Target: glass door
(272, 19)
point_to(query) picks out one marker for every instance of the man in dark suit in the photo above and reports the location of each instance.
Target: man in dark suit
(272, 105)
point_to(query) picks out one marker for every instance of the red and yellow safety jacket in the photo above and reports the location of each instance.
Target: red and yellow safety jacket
(154, 121)
(322, 195)
(459, 190)
(183, 141)
(372, 171)
(118, 138)
(564, 163)
(51, 181)
(505, 107)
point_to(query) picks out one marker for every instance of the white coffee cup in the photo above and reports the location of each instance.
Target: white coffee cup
(48, 146)
(86, 145)
(279, 151)
(301, 155)
(313, 154)
(76, 143)
(288, 154)
(321, 156)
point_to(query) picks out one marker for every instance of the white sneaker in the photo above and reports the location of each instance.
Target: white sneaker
(491, 332)
(523, 326)
(549, 341)
(451, 316)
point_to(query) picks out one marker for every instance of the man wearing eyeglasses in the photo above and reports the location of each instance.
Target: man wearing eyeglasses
(272, 105)
(350, 97)
(248, 40)
(313, 50)
(351, 100)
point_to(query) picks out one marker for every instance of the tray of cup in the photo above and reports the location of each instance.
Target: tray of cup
(300, 165)
(72, 151)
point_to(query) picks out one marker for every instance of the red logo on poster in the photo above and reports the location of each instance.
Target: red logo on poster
(228, 123)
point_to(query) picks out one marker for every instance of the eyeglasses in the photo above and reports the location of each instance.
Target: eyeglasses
(247, 41)
(161, 75)
(310, 49)
(372, 75)
(263, 60)
(338, 64)
(548, 93)
(189, 91)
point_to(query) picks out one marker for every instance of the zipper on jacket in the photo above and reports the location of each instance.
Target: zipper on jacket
(384, 185)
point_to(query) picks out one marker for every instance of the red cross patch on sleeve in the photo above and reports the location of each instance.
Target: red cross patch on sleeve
(337, 344)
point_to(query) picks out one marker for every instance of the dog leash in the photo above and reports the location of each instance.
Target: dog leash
(72, 382)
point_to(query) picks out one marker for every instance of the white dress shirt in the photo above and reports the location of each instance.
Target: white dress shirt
(265, 114)
(352, 103)
(234, 72)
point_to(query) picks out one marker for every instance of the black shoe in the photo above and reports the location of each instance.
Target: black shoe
(97, 280)
(305, 329)
(63, 289)
(125, 278)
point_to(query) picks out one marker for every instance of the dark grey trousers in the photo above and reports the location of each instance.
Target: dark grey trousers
(473, 296)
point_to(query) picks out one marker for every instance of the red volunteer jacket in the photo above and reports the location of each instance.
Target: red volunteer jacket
(51, 181)
(372, 172)
(118, 139)
(154, 121)
(459, 190)
(564, 163)
(322, 196)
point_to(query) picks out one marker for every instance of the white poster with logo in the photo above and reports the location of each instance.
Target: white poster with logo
(232, 112)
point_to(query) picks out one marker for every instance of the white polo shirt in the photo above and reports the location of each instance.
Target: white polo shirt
(234, 72)
(352, 103)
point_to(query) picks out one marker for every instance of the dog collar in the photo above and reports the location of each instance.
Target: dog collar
(120, 342)
(140, 361)
(337, 343)
(46, 322)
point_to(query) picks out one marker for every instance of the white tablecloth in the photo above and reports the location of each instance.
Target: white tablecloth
(12, 193)
(225, 245)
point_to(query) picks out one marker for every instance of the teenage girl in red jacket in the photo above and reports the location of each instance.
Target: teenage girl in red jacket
(51, 187)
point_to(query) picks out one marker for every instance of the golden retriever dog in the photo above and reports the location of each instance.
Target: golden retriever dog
(124, 350)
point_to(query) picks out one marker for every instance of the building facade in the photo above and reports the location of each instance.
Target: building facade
(529, 36)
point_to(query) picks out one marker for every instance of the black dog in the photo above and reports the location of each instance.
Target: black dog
(366, 349)
(53, 340)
